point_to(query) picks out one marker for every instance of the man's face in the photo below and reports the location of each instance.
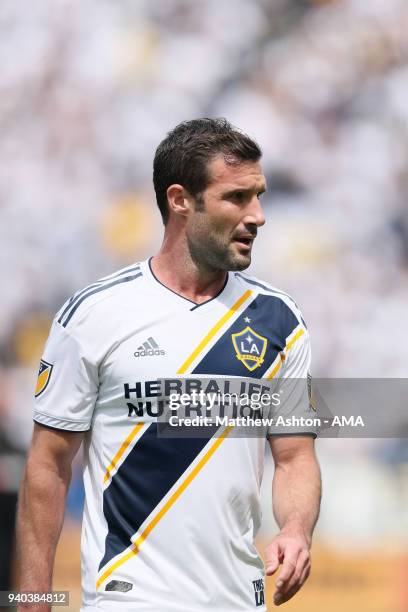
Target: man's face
(222, 228)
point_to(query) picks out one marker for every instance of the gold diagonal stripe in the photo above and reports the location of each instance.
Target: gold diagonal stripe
(169, 503)
(122, 449)
(294, 339)
(135, 546)
(213, 331)
(275, 369)
(283, 356)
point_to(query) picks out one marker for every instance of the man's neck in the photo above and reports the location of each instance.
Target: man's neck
(177, 271)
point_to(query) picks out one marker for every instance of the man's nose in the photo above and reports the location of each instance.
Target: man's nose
(255, 214)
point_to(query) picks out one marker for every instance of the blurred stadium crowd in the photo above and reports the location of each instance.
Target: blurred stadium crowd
(88, 89)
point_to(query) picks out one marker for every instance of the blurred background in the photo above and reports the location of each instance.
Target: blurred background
(88, 90)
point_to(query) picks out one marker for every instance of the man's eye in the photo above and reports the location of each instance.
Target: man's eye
(238, 195)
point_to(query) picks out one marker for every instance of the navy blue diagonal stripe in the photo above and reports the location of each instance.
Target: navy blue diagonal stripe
(150, 470)
(98, 283)
(271, 318)
(124, 279)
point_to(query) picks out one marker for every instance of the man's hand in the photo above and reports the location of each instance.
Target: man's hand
(292, 552)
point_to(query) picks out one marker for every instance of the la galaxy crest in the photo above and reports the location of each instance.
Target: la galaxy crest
(250, 348)
(44, 375)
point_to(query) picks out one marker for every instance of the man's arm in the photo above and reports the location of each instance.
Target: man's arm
(296, 501)
(41, 507)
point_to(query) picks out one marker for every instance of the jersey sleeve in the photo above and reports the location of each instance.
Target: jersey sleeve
(295, 413)
(67, 383)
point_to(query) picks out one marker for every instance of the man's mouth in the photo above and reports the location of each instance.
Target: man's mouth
(244, 240)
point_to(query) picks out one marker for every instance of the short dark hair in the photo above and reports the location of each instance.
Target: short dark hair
(183, 156)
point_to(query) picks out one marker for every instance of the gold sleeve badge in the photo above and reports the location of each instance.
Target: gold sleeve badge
(44, 375)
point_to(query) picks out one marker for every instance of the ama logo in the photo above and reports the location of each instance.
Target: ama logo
(250, 348)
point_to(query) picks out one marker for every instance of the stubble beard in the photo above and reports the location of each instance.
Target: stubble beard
(214, 254)
(209, 251)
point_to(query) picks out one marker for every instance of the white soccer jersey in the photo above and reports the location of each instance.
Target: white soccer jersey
(169, 522)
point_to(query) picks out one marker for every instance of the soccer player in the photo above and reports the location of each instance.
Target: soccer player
(169, 522)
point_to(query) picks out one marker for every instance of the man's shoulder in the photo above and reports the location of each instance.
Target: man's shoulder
(276, 307)
(264, 288)
(98, 293)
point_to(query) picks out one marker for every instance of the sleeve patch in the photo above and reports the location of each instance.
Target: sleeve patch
(44, 375)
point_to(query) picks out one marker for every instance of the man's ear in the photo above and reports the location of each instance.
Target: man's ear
(179, 200)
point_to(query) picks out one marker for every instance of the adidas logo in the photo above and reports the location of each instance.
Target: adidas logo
(150, 348)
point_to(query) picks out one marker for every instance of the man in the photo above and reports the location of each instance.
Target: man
(169, 522)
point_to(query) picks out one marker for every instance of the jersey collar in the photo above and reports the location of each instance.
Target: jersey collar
(153, 280)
